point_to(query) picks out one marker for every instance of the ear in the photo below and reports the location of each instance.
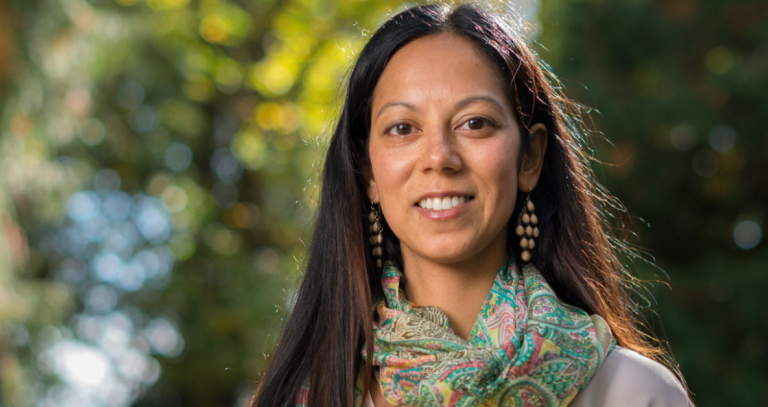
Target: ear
(373, 189)
(533, 160)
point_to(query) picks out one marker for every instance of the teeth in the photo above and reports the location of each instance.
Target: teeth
(441, 204)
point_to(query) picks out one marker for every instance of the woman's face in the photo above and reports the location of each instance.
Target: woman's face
(444, 146)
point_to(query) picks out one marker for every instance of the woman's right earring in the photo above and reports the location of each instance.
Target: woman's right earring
(375, 232)
(527, 228)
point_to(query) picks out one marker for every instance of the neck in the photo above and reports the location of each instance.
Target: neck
(458, 288)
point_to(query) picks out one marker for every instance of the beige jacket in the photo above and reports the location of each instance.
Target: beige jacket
(627, 379)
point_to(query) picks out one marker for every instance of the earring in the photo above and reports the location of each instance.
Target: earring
(376, 237)
(527, 228)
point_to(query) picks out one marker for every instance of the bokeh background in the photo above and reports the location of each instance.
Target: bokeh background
(158, 177)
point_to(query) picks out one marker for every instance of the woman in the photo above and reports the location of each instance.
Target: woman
(461, 254)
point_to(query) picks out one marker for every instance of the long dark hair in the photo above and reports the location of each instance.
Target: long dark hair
(577, 253)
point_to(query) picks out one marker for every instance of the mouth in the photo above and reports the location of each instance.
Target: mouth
(443, 203)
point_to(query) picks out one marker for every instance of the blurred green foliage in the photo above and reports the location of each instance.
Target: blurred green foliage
(159, 162)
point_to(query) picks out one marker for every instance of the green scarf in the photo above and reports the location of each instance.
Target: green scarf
(527, 348)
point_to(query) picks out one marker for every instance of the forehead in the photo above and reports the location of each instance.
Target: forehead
(444, 67)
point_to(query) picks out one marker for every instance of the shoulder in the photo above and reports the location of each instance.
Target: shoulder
(630, 379)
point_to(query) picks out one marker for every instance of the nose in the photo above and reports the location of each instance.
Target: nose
(440, 152)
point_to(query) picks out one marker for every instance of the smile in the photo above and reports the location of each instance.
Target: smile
(443, 203)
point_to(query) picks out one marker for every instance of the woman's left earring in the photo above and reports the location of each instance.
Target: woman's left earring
(375, 232)
(527, 228)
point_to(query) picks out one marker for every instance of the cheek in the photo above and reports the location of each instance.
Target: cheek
(498, 165)
(389, 163)
(498, 170)
(390, 170)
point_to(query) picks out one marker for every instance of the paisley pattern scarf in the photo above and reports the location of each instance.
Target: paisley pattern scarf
(526, 349)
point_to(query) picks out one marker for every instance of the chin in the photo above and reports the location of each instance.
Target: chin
(446, 252)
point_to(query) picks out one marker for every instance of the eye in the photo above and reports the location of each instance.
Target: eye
(477, 123)
(400, 129)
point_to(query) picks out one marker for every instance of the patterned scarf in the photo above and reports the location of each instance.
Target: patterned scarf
(526, 349)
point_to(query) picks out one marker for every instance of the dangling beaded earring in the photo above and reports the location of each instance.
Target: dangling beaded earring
(527, 228)
(376, 237)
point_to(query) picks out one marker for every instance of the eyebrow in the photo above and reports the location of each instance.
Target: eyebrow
(459, 105)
